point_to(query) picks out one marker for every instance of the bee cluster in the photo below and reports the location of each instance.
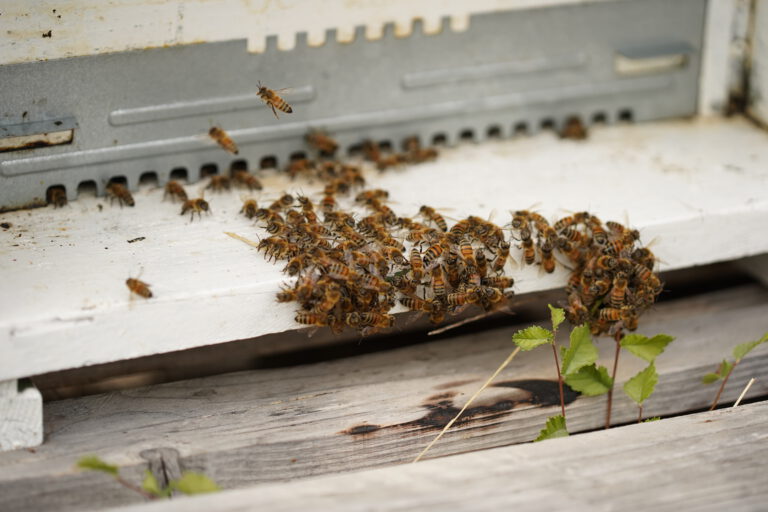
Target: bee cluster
(612, 281)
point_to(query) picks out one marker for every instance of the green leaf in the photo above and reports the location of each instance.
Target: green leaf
(725, 368)
(532, 337)
(648, 420)
(194, 483)
(555, 428)
(590, 380)
(94, 463)
(739, 351)
(710, 378)
(557, 314)
(582, 352)
(150, 484)
(644, 347)
(640, 387)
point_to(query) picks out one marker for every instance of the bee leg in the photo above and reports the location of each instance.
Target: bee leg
(274, 111)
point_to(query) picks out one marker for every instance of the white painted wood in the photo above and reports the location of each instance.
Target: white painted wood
(89, 27)
(700, 188)
(716, 67)
(295, 422)
(707, 461)
(759, 73)
(21, 416)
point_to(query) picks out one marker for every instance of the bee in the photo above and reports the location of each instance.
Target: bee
(299, 166)
(394, 255)
(610, 314)
(467, 252)
(121, 193)
(295, 218)
(644, 275)
(297, 264)
(316, 319)
(529, 252)
(330, 298)
(195, 206)
(218, 183)
(339, 219)
(140, 288)
(645, 257)
(387, 213)
(619, 290)
(287, 294)
(430, 214)
(576, 218)
(371, 282)
(175, 190)
(491, 297)
(501, 282)
(323, 143)
(502, 254)
(367, 196)
(416, 304)
(417, 264)
(599, 234)
(249, 209)
(405, 285)
(482, 262)
(274, 101)
(223, 139)
(573, 129)
(283, 202)
(339, 271)
(607, 262)
(267, 216)
(395, 160)
(57, 196)
(438, 283)
(432, 254)
(246, 179)
(471, 296)
(328, 204)
(547, 259)
(576, 311)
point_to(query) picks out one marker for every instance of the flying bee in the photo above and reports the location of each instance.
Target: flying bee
(140, 288)
(223, 139)
(121, 193)
(246, 179)
(274, 101)
(175, 190)
(218, 183)
(57, 197)
(283, 202)
(322, 142)
(249, 209)
(430, 214)
(619, 290)
(198, 206)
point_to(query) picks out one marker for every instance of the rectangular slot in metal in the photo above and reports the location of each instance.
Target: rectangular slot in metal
(37, 140)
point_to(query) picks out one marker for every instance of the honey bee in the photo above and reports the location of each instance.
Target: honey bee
(644, 275)
(394, 160)
(198, 206)
(501, 282)
(328, 204)
(322, 142)
(467, 252)
(287, 294)
(502, 254)
(482, 262)
(274, 101)
(266, 215)
(367, 196)
(430, 214)
(57, 197)
(246, 179)
(492, 297)
(283, 202)
(599, 234)
(471, 296)
(316, 319)
(140, 288)
(572, 220)
(339, 271)
(223, 139)
(121, 193)
(576, 311)
(218, 183)
(438, 283)
(432, 254)
(573, 129)
(299, 166)
(371, 150)
(607, 262)
(297, 264)
(619, 290)
(417, 264)
(416, 304)
(249, 209)
(277, 248)
(371, 282)
(330, 298)
(175, 190)
(529, 252)
(394, 255)
(547, 259)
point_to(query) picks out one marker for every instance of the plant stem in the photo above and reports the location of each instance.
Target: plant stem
(722, 386)
(613, 384)
(134, 488)
(472, 399)
(559, 379)
(640, 413)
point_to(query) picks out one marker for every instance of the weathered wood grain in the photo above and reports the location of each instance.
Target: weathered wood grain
(378, 409)
(707, 461)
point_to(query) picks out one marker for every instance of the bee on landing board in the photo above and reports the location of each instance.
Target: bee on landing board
(197, 205)
(223, 139)
(140, 288)
(57, 197)
(274, 101)
(175, 190)
(121, 193)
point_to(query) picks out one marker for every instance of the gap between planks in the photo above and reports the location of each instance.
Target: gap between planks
(379, 409)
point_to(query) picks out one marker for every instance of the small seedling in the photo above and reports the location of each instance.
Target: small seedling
(726, 367)
(189, 483)
(555, 428)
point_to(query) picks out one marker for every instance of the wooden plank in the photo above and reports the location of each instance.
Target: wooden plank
(64, 303)
(707, 461)
(21, 420)
(360, 412)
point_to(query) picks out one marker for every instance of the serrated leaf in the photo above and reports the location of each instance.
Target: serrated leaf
(555, 427)
(644, 347)
(641, 386)
(648, 420)
(710, 378)
(532, 337)
(590, 380)
(582, 352)
(194, 483)
(739, 351)
(150, 484)
(557, 315)
(94, 463)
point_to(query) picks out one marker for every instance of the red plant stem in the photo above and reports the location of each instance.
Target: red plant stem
(722, 386)
(559, 380)
(135, 488)
(613, 383)
(640, 413)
